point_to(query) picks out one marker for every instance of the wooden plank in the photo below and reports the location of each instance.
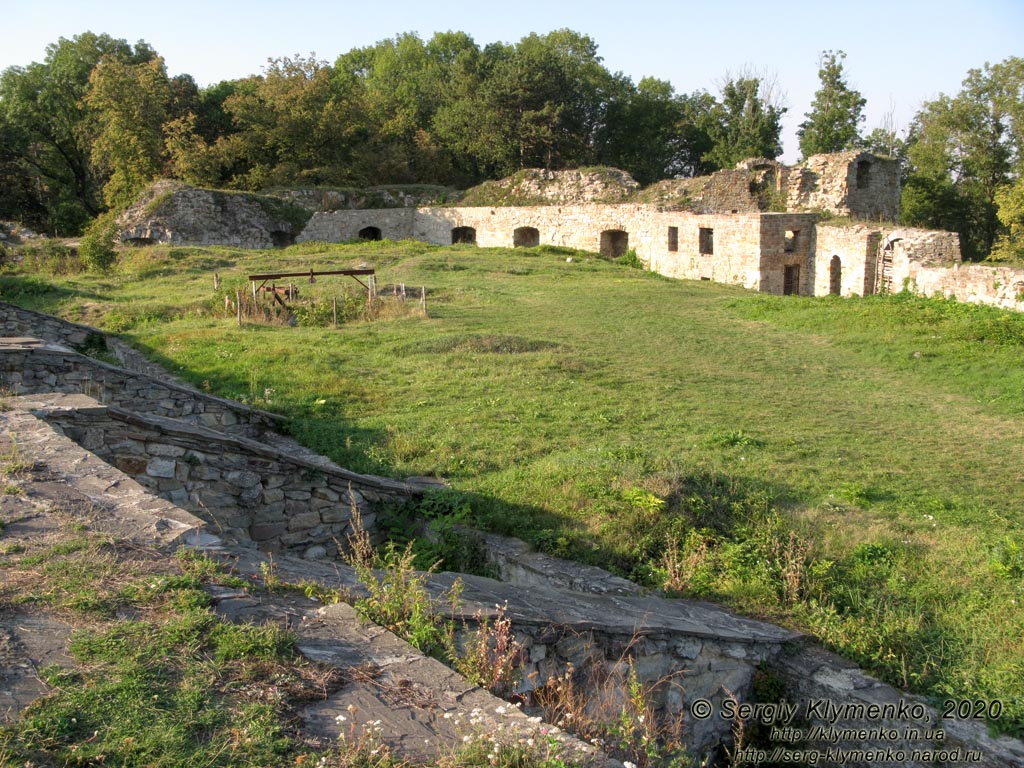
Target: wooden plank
(310, 273)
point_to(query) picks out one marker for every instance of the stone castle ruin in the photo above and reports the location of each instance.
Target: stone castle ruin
(164, 466)
(826, 226)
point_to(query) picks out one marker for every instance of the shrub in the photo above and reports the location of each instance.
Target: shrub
(97, 246)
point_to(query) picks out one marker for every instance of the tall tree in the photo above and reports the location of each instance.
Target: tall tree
(132, 102)
(293, 127)
(53, 128)
(833, 124)
(542, 102)
(747, 122)
(655, 133)
(964, 151)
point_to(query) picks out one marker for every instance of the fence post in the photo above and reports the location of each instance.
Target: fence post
(335, 311)
(238, 301)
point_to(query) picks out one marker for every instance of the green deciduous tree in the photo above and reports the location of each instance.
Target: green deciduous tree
(833, 124)
(51, 128)
(292, 127)
(747, 122)
(131, 104)
(655, 133)
(964, 152)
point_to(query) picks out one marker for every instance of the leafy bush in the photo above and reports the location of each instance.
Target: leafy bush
(97, 246)
(630, 259)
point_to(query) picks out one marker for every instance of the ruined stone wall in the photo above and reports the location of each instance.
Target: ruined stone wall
(973, 283)
(15, 321)
(735, 239)
(29, 366)
(856, 247)
(834, 696)
(248, 492)
(856, 184)
(787, 240)
(734, 242)
(176, 214)
(904, 252)
(342, 226)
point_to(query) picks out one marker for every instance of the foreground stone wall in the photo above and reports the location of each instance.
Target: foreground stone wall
(852, 719)
(32, 366)
(249, 493)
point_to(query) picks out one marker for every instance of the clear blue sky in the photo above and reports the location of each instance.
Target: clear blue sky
(898, 53)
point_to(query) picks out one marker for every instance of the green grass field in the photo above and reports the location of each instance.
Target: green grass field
(853, 468)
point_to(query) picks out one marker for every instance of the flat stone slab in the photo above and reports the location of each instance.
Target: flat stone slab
(392, 691)
(28, 642)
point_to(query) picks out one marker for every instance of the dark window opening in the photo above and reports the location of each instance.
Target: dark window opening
(371, 233)
(835, 276)
(707, 241)
(863, 174)
(525, 237)
(614, 243)
(464, 236)
(791, 280)
(791, 239)
(673, 238)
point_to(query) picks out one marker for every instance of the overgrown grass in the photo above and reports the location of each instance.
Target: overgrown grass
(848, 467)
(158, 678)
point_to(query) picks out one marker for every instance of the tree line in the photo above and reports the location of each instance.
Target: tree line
(86, 129)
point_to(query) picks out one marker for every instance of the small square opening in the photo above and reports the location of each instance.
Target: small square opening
(792, 236)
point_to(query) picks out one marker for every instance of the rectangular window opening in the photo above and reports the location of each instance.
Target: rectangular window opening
(673, 238)
(707, 241)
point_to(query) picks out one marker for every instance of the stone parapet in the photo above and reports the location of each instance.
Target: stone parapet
(30, 366)
(251, 493)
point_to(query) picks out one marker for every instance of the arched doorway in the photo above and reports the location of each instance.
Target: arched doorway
(370, 233)
(463, 235)
(525, 237)
(835, 276)
(614, 243)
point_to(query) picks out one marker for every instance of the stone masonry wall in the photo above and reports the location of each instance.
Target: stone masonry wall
(174, 213)
(997, 286)
(856, 246)
(30, 366)
(249, 493)
(833, 698)
(787, 240)
(16, 321)
(736, 238)
(856, 184)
